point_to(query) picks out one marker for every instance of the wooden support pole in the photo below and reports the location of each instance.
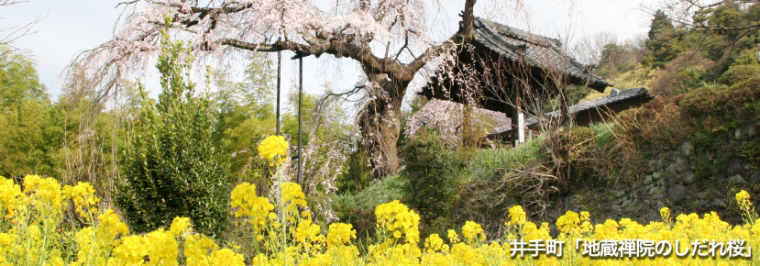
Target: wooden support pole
(300, 105)
(518, 122)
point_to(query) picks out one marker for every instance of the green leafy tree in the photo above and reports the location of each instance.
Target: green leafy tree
(244, 115)
(662, 42)
(23, 107)
(171, 165)
(616, 59)
(238, 102)
(660, 24)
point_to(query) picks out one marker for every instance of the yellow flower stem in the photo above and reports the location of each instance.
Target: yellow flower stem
(284, 244)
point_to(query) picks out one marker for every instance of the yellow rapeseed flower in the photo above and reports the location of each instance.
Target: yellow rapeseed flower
(340, 234)
(256, 209)
(226, 257)
(45, 193)
(85, 201)
(665, 214)
(433, 243)
(472, 231)
(452, 236)
(517, 215)
(742, 196)
(274, 149)
(179, 226)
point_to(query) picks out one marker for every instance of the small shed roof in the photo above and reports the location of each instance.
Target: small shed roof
(534, 50)
(616, 96)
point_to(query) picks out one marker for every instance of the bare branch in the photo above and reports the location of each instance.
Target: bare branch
(10, 2)
(17, 32)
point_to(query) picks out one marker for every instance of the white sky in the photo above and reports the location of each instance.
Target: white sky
(72, 26)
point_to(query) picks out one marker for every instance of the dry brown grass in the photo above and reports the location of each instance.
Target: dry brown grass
(657, 123)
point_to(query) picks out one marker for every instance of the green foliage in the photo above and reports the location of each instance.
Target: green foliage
(171, 165)
(711, 156)
(574, 94)
(23, 115)
(358, 173)
(358, 208)
(487, 160)
(249, 102)
(662, 41)
(381, 191)
(290, 119)
(721, 99)
(616, 60)
(685, 73)
(491, 182)
(429, 168)
(749, 150)
(660, 23)
(722, 45)
(603, 133)
(740, 73)
(244, 115)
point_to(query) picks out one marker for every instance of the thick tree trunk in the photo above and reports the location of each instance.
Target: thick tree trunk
(380, 140)
(380, 123)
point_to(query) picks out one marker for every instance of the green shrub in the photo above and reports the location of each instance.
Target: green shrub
(487, 161)
(706, 166)
(740, 73)
(603, 133)
(386, 190)
(429, 168)
(358, 172)
(490, 184)
(358, 208)
(171, 166)
(749, 150)
(741, 85)
(681, 75)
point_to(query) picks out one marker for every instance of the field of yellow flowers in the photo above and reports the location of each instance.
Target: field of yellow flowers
(33, 232)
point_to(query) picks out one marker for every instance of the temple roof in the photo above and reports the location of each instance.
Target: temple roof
(534, 50)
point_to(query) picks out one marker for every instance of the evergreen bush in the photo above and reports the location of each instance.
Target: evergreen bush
(171, 167)
(429, 168)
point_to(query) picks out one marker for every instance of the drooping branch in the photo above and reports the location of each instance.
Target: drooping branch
(252, 26)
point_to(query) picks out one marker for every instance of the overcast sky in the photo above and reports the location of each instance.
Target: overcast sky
(72, 26)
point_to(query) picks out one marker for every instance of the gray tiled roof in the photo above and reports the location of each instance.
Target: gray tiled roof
(615, 96)
(533, 50)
